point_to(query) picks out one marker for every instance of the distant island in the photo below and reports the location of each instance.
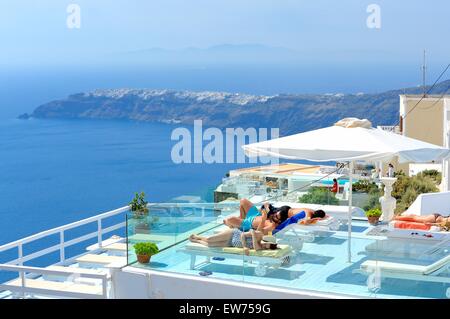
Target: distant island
(290, 112)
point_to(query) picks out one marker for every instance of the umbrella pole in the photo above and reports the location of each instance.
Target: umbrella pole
(350, 209)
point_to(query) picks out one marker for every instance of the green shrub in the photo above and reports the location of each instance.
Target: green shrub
(138, 205)
(146, 249)
(319, 195)
(406, 189)
(399, 173)
(435, 175)
(364, 186)
(374, 212)
(374, 199)
(400, 186)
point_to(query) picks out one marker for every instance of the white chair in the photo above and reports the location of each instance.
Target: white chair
(263, 261)
(430, 273)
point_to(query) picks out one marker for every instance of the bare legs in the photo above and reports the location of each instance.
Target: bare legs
(244, 207)
(417, 219)
(221, 239)
(234, 221)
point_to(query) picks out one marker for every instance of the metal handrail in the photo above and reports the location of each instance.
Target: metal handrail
(62, 242)
(43, 271)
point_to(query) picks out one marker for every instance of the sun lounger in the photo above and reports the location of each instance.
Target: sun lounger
(265, 258)
(114, 239)
(93, 261)
(338, 212)
(65, 273)
(50, 288)
(430, 273)
(432, 235)
(296, 234)
(117, 249)
(406, 243)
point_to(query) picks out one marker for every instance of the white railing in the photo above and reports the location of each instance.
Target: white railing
(16, 265)
(21, 258)
(22, 289)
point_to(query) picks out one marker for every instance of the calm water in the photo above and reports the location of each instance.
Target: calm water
(56, 172)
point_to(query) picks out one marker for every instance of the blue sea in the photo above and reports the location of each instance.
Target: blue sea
(53, 172)
(58, 171)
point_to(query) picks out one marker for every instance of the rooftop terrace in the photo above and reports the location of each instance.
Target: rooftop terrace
(315, 259)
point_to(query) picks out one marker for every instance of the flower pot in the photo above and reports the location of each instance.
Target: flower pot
(143, 259)
(373, 220)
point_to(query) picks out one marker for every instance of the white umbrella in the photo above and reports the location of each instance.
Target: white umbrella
(349, 140)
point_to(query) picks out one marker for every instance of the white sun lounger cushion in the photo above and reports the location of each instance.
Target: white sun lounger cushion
(197, 246)
(281, 251)
(276, 253)
(58, 286)
(101, 259)
(406, 268)
(323, 222)
(432, 228)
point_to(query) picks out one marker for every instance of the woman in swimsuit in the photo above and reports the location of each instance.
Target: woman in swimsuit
(308, 215)
(433, 219)
(235, 237)
(250, 217)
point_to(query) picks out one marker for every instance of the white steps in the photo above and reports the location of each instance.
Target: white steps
(70, 289)
(92, 260)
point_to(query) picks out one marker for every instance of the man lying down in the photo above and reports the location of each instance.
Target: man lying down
(235, 237)
(277, 218)
(249, 232)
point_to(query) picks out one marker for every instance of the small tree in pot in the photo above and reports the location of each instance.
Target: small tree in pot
(144, 251)
(138, 207)
(373, 215)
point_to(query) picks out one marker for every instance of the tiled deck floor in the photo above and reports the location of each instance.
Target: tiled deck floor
(320, 266)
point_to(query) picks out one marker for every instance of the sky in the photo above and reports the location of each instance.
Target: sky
(35, 33)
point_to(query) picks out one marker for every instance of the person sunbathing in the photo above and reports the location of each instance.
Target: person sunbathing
(234, 237)
(250, 217)
(304, 216)
(430, 220)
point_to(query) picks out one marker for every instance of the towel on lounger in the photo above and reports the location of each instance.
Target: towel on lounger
(292, 220)
(411, 225)
(281, 251)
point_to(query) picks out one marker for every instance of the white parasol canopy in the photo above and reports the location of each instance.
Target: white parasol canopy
(337, 143)
(349, 140)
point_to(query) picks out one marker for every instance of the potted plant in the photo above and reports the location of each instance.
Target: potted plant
(144, 251)
(373, 215)
(138, 207)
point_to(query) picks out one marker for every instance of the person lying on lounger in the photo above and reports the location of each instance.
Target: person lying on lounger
(234, 237)
(250, 217)
(302, 215)
(431, 220)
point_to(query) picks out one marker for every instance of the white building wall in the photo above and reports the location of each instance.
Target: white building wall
(136, 283)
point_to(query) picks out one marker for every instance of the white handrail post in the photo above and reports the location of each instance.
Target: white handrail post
(21, 273)
(20, 254)
(99, 235)
(62, 256)
(22, 280)
(105, 288)
(350, 210)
